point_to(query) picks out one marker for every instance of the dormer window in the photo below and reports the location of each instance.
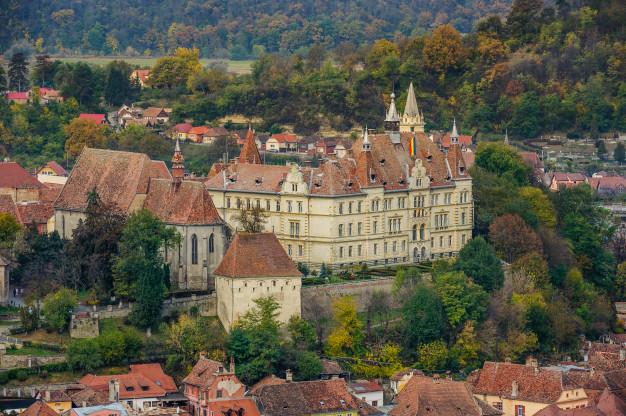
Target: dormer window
(322, 404)
(382, 161)
(429, 158)
(294, 187)
(258, 180)
(373, 177)
(462, 170)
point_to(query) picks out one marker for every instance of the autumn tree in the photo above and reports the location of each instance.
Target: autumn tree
(347, 337)
(315, 57)
(9, 228)
(512, 238)
(443, 50)
(81, 133)
(251, 220)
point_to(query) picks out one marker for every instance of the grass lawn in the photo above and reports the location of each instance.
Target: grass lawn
(8, 323)
(9, 309)
(41, 335)
(39, 352)
(239, 67)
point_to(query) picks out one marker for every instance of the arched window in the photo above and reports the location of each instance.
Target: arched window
(422, 230)
(423, 253)
(211, 244)
(63, 226)
(414, 232)
(415, 253)
(194, 249)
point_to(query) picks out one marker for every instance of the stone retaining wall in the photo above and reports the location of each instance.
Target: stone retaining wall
(20, 361)
(361, 291)
(206, 305)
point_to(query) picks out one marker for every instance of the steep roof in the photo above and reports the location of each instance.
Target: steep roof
(12, 175)
(605, 357)
(34, 212)
(8, 206)
(330, 367)
(400, 374)
(56, 168)
(55, 396)
(116, 176)
(542, 385)
(249, 152)
(607, 184)
(187, 202)
(142, 74)
(532, 158)
(425, 395)
(256, 255)
(39, 408)
(155, 112)
(182, 128)
(199, 130)
(204, 373)
(284, 138)
(91, 397)
(464, 140)
(410, 109)
(307, 398)
(17, 96)
(155, 373)
(265, 381)
(234, 407)
(367, 387)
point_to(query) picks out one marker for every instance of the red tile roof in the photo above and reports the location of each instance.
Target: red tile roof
(207, 372)
(50, 194)
(56, 168)
(400, 374)
(98, 118)
(182, 128)
(116, 176)
(155, 373)
(234, 407)
(542, 385)
(256, 255)
(142, 74)
(17, 96)
(284, 138)
(91, 397)
(469, 158)
(331, 367)
(463, 140)
(154, 112)
(55, 396)
(427, 396)
(608, 405)
(607, 184)
(265, 381)
(307, 398)
(7, 205)
(185, 203)
(201, 130)
(34, 212)
(368, 387)
(532, 159)
(12, 175)
(249, 152)
(39, 409)
(132, 385)
(605, 357)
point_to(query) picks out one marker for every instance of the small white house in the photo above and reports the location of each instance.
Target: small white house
(369, 392)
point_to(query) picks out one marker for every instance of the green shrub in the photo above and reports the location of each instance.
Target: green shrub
(4, 378)
(44, 374)
(22, 375)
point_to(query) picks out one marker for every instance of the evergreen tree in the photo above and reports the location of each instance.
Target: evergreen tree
(18, 71)
(619, 154)
(3, 80)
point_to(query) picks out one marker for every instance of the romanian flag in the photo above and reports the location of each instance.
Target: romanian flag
(413, 146)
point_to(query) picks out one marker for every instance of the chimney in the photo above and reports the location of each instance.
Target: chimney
(334, 377)
(515, 389)
(350, 153)
(47, 395)
(507, 360)
(202, 354)
(622, 354)
(232, 365)
(532, 362)
(536, 370)
(111, 390)
(449, 375)
(288, 375)
(84, 403)
(592, 371)
(117, 390)
(436, 378)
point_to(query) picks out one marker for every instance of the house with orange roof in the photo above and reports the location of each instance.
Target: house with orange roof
(211, 381)
(52, 173)
(196, 134)
(256, 265)
(157, 115)
(520, 390)
(141, 76)
(20, 185)
(281, 143)
(179, 131)
(58, 400)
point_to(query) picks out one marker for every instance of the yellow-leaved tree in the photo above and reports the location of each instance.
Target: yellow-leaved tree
(347, 337)
(84, 132)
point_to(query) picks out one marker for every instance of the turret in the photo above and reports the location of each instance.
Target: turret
(178, 164)
(412, 120)
(454, 137)
(392, 121)
(365, 145)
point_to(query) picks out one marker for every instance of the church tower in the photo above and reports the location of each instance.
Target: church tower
(392, 121)
(454, 137)
(412, 120)
(178, 164)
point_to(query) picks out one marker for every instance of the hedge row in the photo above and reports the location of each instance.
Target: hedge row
(12, 374)
(44, 346)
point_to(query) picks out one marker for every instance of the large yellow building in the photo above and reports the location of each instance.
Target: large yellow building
(394, 198)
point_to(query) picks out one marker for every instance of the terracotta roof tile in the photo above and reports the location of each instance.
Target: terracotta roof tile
(39, 409)
(605, 357)
(155, 373)
(206, 372)
(284, 138)
(368, 387)
(131, 385)
(463, 140)
(330, 367)
(12, 175)
(542, 386)
(256, 255)
(117, 177)
(34, 212)
(142, 74)
(56, 168)
(182, 128)
(265, 381)
(249, 152)
(16, 96)
(425, 395)
(91, 397)
(98, 118)
(185, 203)
(234, 407)
(55, 396)
(399, 375)
(8, 206)
(532, 159)
(154, 112)
(307, 398)
(50, 194)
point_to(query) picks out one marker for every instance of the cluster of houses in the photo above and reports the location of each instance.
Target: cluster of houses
(46, 95)
(596, 386)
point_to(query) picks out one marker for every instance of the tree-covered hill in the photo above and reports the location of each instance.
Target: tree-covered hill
(219, 27)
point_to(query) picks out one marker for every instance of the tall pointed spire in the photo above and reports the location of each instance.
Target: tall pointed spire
(454, 137)
(412, 120)
(249, 152)
(365, 145)
(178, 164)
(392, 114)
